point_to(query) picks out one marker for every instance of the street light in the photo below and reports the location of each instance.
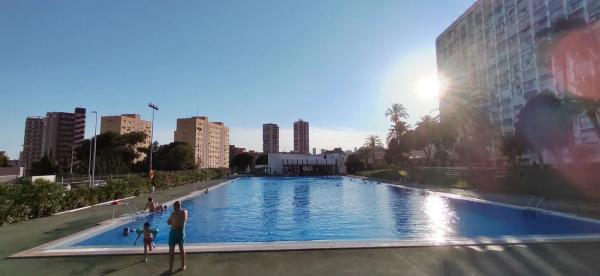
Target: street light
(154, 108)
(95, 142)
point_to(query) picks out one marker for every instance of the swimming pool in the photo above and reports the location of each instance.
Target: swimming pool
(272, 210)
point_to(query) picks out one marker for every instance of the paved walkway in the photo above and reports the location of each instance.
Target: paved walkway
(539, 259)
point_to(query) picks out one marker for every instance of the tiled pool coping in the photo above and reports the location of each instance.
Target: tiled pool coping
(57, 248)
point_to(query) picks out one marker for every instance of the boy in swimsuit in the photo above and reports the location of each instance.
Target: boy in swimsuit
(151, 205)
(149, 236)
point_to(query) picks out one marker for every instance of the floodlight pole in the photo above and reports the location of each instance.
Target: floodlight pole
(154, 108)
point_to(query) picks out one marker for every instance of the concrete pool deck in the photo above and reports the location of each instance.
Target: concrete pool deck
(545, 259)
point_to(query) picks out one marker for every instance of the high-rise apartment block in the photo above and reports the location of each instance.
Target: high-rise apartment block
(301, 142)
(33, 141)
(64, 132)
(209, 140)
(494, 49)
(127, 123)
(270, 138)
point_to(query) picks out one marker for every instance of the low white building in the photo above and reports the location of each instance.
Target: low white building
(293, 164)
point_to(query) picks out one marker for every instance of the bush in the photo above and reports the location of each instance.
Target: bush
(388, 174)
(28, 200)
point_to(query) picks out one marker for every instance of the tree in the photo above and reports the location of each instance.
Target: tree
(573, 40)
(242, 161)
(263, 159)
(175, 156)
(545, 124)
(513, 147)
(396, 131)
(372, 143)
(115, 153)
(354, 163)
(3, 159)
(44, 166)
(396, 112)
(468, 117)
(426, 132)
(442, 156)
(363, 153)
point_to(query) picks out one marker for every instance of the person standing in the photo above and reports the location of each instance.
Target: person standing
(177, 234)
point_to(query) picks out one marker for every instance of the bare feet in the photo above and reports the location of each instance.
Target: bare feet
(183, 268)
(146, 260)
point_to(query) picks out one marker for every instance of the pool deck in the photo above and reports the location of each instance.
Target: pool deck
(579, 258)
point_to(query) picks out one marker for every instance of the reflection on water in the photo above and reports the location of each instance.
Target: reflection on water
(301, 203)
(270, 206)
(440, 217)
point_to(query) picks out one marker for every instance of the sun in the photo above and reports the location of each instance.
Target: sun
(428, 87)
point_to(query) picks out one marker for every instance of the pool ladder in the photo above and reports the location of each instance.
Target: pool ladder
(133, 211)
(539, 203)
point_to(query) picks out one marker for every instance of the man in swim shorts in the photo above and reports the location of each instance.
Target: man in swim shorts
(177, 234)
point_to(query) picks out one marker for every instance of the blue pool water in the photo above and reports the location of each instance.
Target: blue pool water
(310, 209)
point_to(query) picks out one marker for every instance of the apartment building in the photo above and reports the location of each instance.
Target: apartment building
(301, 137)
(493, 49)
(32, 142)
(209, 140)
(127, 123)
(63, 133)
(270, 138)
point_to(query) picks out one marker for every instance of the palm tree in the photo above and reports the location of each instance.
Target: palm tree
(372, 142)
(396, 130)
(396, 112)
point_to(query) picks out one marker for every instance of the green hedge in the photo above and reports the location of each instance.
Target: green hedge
(25, 201)
(567, 182)
(570, 182)
(387, 174)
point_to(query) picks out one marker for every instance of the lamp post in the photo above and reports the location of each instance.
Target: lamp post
(95, 142)
(154, 108)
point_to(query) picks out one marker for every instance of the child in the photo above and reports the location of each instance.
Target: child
(149, 236)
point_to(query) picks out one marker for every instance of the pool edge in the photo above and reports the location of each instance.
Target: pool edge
(49, 249)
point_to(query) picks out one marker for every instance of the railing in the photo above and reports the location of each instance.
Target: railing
(536, 203)
(133, 211)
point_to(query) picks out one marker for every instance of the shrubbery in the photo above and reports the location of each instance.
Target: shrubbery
(40, 199)
(387, 174)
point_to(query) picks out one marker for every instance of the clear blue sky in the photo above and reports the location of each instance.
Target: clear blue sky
(337, 64)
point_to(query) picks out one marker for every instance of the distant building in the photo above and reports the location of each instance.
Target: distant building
(301, 137)
(314, 151)
(233, 151)
(63, 133)
(209, 140)
(8, 174)
(334, 150)
(127, 123)
(270, 138)
(293, 164)
(32, 142)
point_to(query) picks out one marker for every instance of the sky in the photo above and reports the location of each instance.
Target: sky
(337, 64)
